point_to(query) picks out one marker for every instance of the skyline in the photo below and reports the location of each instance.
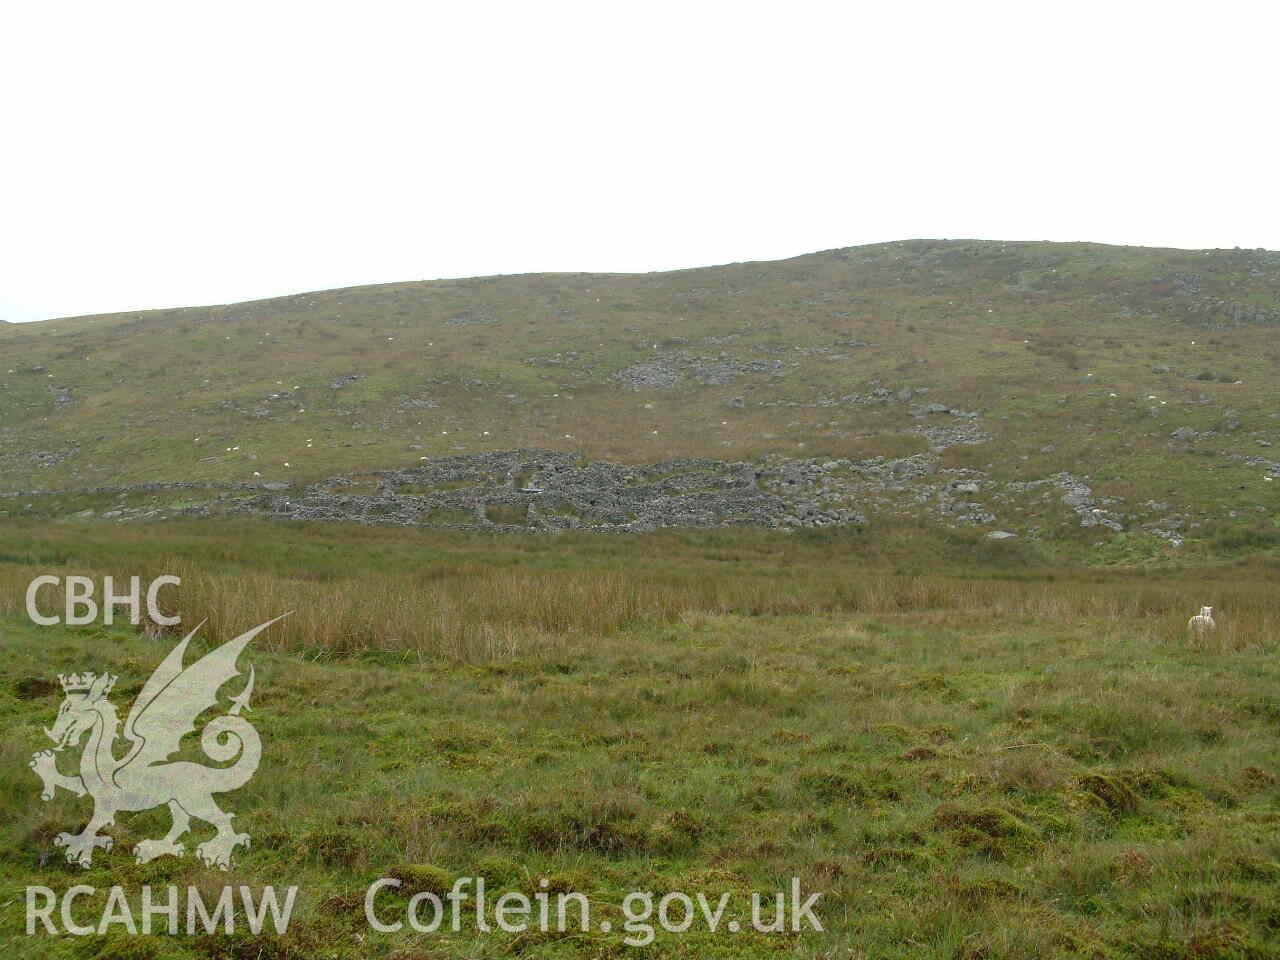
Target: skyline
(177, 157)
(5, 305)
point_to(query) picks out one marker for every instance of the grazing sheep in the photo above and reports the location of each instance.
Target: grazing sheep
(1202, 622)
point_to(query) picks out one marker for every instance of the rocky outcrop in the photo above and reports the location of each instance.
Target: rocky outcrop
(1078, 497)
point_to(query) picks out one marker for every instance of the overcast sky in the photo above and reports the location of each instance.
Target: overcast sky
(172, 154)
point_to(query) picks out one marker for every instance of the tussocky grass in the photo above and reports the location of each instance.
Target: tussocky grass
(999, 759)
(361, 591)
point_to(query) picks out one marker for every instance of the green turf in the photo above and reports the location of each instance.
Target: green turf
(982, 761)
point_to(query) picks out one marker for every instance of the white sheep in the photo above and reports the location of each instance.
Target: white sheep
(1202, 622)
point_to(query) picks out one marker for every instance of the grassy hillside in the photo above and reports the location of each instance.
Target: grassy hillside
(976, 747)
(1148, 372)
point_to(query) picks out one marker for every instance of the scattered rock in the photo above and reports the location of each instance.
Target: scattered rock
(1093, 512)
(649, 375)
(930, 408)
(51, 458)
(716, 373)
(941, 437)
(664, 372)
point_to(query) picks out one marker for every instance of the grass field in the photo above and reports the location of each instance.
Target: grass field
(973, 753)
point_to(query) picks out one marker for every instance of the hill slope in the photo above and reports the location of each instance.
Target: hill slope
(1131, 388)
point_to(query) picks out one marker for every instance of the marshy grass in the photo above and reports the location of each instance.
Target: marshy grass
(1005, 757)
(476, 597)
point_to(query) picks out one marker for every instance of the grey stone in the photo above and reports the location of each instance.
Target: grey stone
(649, 375)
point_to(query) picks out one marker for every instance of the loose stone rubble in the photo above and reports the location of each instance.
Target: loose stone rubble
(1078, 497)
(663, 373)
(545, 490)
(548, 490)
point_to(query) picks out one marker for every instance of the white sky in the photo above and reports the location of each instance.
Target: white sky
(163, 154)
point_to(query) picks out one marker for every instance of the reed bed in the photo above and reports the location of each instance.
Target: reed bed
(461, 605)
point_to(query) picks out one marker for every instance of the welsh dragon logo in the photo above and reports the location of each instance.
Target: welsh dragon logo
(165, 711)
